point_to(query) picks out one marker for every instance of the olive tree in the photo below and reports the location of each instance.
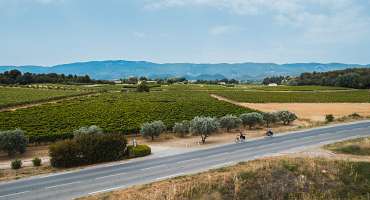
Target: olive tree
(181, 128)
(251, 119)
(229, 122)
(204, 126)
(13, 141)
(89, 130)
(143, 87)
(287, 117)
(153, 129)
(270, 118)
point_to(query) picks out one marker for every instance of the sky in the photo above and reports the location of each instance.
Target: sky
(49, 32)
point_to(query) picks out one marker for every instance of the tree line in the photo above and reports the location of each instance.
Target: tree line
(17, 77)
(358, 78)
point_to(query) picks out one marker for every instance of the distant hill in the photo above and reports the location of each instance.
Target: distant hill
(116, 69)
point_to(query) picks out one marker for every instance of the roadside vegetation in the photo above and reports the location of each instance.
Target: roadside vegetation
(274, 178)
(359, 146)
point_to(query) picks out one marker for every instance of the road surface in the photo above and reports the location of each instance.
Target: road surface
(94, 180)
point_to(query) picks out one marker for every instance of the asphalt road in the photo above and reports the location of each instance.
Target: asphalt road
(106, 178)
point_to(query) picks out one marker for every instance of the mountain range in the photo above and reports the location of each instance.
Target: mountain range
(116, 69)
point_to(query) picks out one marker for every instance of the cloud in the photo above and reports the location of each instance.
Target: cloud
(318, 20)
(223, 29)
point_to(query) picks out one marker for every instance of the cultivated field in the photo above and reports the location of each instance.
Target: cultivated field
(114, 112)
(12, 96)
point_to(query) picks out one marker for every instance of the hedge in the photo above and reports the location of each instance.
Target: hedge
(138, 151)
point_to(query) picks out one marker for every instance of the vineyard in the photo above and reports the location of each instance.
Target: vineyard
(358, 96)
(12, 96)
(114, 112)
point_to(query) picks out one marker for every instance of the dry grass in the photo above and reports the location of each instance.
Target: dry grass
(359, 146)
(10, 174)
(273, 178)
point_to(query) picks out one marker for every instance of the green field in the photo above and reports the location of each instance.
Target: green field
(297, 88)
(12, 96)
(296, 97)
(114, 112)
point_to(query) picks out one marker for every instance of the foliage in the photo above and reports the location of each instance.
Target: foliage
(16, 164)
(270, 118)
(13, 141)
(88, 149)
(251, 119)
(275, 79)
(36, 162)
(143, 87)
(138, 151)
(181, 128)
(287, 117)
(91, 130)
(16, 77)
(352, 78)
(113, 112)
(229, 122)
(354, 115)
(204, 126)
(329, 118)
(153, 129)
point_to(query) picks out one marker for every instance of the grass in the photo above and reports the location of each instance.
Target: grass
(357, 96)
(12, 96)
(276, 178)
(359, 146)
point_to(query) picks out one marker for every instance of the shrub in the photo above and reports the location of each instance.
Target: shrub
(138, 151)
(251, 119)
(13, 141)
(354, 115)
(16, 164)
(329, 118)
(204, 126)
(36, 162)
(270, 118)
(182, 128)
(287, 117)
(229, 122)
(87, 131)
(143, 87)
(153, 129)
(65, 153)
(88, 149)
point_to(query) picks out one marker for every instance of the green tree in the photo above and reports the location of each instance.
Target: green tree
(13, 141)
(251, 119)
(182, 128)
(204, 126)
(143, 87)
(153, 129)
(287, 117)
(229, 122)
(270, 118)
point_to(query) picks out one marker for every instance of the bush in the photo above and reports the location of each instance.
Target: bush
(65, 153)
(270, 118)
(229, 122)
(354, 115)
(251, 119)
(13, 141)
(88, 149)
(204, 126)
(287, 117)
(153, 129)
(329, 118)
(87, 131)
(138, 151)
(143, 87)
(16, 164)
(182, 128)
(36, 162)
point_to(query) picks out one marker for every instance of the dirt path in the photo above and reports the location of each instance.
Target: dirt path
(311, 111)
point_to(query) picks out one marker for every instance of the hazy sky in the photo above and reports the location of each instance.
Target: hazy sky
(47, 32)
